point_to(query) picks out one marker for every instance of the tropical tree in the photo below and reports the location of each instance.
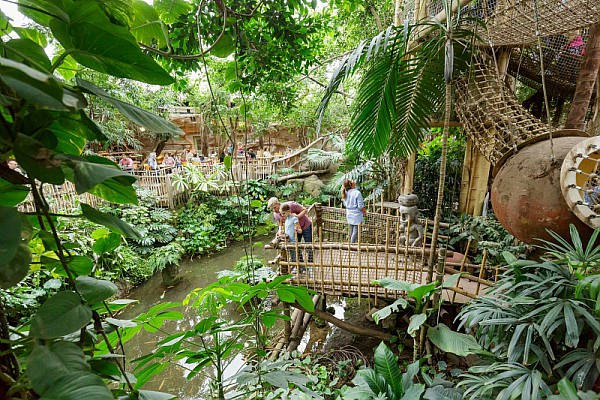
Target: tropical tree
(404, 84)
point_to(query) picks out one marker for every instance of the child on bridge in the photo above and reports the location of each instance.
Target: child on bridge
(292, 227)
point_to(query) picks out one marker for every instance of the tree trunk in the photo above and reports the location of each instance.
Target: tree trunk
(586, 79)
(440, 196)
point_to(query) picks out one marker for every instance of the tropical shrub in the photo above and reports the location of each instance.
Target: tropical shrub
(385, 380)
(541, 323)
(485, 234)
(155, 225)
(427, 174)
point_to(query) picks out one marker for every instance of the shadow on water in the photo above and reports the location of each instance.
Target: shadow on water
(197, 273)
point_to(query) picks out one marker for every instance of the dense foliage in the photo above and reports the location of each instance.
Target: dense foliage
(540, 323)
(427, 174)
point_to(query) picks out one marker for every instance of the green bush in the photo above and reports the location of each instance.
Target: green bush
(485, 233)
(427, 174)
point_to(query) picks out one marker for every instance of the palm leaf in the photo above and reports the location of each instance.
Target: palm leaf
(384, 41)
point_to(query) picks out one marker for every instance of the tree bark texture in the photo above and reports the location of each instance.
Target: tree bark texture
(586, 80)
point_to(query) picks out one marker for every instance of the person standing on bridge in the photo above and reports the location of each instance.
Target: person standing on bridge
(299, 211)
(355, 207)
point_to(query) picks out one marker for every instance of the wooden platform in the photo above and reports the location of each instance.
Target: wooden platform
(350, 270)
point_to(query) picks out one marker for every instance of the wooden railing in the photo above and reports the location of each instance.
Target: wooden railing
(159, 182)
(330, 264)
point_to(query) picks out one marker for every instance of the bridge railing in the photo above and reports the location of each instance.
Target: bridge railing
(331, 264)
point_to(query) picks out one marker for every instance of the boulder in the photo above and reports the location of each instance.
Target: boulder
(313, 185)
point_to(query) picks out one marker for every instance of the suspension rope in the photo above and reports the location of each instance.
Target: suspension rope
(543, 73)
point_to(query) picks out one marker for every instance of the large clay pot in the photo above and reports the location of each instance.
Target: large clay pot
(526, 193)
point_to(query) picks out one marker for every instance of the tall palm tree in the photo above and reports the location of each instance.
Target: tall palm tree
(403, 85)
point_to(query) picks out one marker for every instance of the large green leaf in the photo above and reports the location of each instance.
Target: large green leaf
(95, 42)
(28, 52)
(11, 194)
(449, 341)
(42, 11)
(95, 290)
(107, 243)
(78, 386)
(34, 35)
(148, 120)
(388, 310)
(147, 26)
(5, 26)
(91, 171)
(152, 395)
(47, 363)
(36, 87)
(387, 366)
(415, 323)
(10, 225)
(171, 10)
(60, 315)
(224, 47)
(38, 161)
(78, 265)
(16, 269)
(110, 221)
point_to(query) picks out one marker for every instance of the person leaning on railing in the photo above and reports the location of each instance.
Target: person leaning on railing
(305, 223)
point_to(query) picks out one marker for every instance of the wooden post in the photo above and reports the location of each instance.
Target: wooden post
(286, 307)
(474, 181)
(439, 275)
(462, 267)
(481, 270)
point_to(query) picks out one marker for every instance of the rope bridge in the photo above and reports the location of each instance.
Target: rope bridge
(331, 265)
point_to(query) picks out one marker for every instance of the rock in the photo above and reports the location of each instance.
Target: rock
(313, 185)
(299, 182)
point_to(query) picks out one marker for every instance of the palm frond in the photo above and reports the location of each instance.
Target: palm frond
(366, 51)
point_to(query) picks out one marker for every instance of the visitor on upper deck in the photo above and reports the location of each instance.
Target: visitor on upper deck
(355, 207)
(151, 160)
(126, 163)
(299, 211)
(168, 161)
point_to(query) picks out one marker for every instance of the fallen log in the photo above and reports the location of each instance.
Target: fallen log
(300, 175)
(347, 326)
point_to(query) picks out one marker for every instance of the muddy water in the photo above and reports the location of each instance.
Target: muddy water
(197, 273)
(201, 272)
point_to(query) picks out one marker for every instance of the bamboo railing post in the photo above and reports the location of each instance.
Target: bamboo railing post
(376, 266)
(423, 250)
(481, 270)
(439, 275)
(387, 252)
(462, 268)
(283, 270)
(406, 243)
(397, 242)
(359, 268)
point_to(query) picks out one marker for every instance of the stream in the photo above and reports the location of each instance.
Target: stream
(196, 273)
(199, 273)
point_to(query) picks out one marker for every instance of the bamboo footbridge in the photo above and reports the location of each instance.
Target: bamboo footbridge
(341, 268)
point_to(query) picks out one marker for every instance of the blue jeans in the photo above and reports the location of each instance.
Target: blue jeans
(354, 233)
(307, 236)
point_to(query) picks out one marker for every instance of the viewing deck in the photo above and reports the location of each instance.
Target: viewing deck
(343, 269)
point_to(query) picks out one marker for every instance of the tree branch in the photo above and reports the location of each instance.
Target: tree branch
(347, 326)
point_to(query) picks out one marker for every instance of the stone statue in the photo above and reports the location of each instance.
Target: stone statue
(409, 219)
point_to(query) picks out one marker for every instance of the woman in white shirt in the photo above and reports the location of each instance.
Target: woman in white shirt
(355, 207)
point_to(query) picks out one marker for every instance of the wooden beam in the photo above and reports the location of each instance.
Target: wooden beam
(347, 326)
